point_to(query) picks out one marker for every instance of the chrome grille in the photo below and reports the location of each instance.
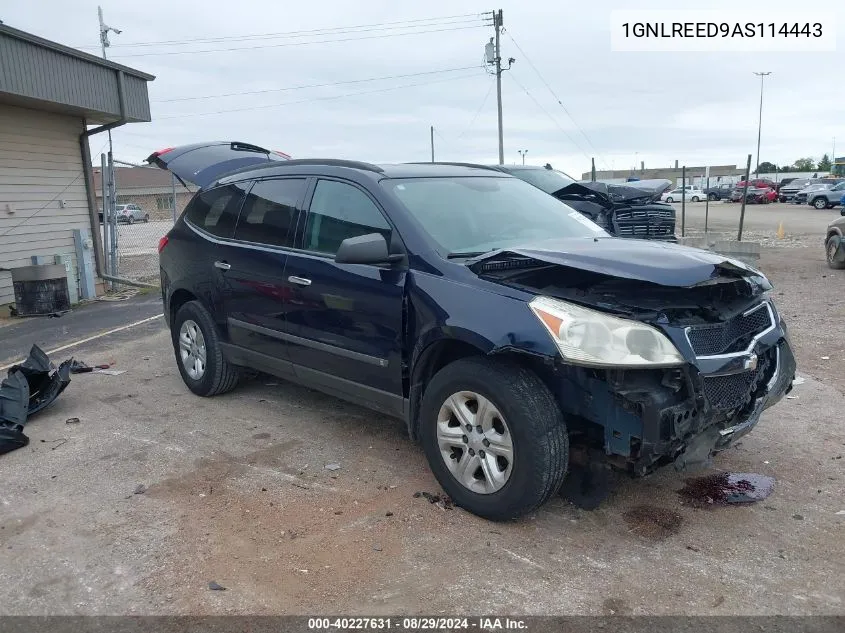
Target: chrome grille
(732, 336)
(644, 223)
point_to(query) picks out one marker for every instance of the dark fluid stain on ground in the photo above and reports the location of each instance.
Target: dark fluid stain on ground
(725, 488)
(653, 522)
(261, 436)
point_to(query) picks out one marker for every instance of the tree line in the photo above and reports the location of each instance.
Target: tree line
(800, 164)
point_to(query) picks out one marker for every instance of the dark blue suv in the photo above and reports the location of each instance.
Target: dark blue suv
(514, 337)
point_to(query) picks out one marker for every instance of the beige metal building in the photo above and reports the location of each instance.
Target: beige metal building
(50, 96)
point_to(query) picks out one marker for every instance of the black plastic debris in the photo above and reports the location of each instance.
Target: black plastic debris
(727, 488)
(213, 586)
(79, 367)
(28, 388)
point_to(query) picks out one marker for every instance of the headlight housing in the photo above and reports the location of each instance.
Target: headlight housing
(593, 338)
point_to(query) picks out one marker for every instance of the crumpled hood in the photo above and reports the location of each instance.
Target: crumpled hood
(635, 192)
(661, 263)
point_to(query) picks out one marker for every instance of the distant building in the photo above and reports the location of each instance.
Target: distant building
(150, 188)
(718, 173)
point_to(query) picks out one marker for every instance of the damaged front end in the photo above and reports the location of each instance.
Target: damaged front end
(726, 356)
(28, 388)
(632, 210)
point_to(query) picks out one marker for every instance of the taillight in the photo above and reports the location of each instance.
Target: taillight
(162, 243)
(163, 151)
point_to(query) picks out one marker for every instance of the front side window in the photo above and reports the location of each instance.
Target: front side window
(216, 210)
(339, 211)
(478, 214)
(270, 211)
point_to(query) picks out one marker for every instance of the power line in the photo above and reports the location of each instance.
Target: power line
(551, 118)
(477, 112)
(326, 98)
(324, 85)
(560, 103)
(312, 32)
(346, 39)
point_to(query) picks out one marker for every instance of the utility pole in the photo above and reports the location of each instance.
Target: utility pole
(104, 44)
(432, 143)
(759, 123)
(493, 57)
(522, 152)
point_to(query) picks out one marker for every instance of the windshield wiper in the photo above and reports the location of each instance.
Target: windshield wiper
(465, 254)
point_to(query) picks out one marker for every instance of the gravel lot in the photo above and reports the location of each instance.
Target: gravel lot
(235, 490)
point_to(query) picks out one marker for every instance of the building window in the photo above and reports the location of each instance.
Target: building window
(164, 203)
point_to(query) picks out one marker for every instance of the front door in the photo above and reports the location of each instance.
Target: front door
(344, 321)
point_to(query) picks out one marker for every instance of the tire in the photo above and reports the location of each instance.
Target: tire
(713, 197)
(146, 218)
(695, 198)
(820, 203)
(218, 375)
(670, 199)
(532, 422)
(130, 219)
(831, 245)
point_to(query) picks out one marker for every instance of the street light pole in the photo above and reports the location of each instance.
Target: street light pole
(522, 152)
(762, 75)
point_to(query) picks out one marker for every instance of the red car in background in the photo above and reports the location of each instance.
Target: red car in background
(759, 183)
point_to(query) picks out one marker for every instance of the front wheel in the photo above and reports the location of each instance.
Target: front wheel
(494, 437)
(198, 355)
(670, 199)
(713, 197)
(820, 203)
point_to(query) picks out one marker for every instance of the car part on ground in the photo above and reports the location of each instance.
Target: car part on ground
(28, 388)
(631, 210)
(516, 328)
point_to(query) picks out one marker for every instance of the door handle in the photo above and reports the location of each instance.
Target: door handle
(299, 281)
(222, 265)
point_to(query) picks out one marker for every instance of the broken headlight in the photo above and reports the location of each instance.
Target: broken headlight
(589, 337)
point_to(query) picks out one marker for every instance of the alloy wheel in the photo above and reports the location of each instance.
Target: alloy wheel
(475, 442)
(192, 351)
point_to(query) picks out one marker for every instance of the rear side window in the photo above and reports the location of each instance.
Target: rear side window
(270, 211)
(339, 211)
(216, 210)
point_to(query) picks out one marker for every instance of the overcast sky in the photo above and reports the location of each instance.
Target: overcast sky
(622, 107)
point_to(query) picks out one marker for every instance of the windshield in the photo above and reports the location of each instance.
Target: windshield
(478, 214)
(548, 180)
(798, 184)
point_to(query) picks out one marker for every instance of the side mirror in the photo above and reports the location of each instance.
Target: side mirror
(365, 249)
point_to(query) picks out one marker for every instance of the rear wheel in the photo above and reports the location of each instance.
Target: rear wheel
(494, 437)
(146, 217)
(670, 199)
(197, 347)
(820, 203)
(695, 198)
(131, 219)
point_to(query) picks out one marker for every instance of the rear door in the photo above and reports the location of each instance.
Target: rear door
(204, 163)
(254, 270)
(344, 321)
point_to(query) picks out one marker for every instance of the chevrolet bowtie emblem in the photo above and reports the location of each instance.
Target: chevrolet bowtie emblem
(751, 362)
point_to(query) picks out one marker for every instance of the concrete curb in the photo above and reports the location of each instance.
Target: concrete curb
(744, 251)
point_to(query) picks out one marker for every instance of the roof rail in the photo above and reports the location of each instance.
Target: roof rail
(333, 162)
(455, 164)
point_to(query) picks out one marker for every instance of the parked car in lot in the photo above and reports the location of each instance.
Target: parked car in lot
(758, 183)
(754, 195)
(675, 195)
(826, 198)
(801, 196)
(129, 213)
(787, 191)
(834, 243)
(720, 192)
(628, 210)
(505, 329)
